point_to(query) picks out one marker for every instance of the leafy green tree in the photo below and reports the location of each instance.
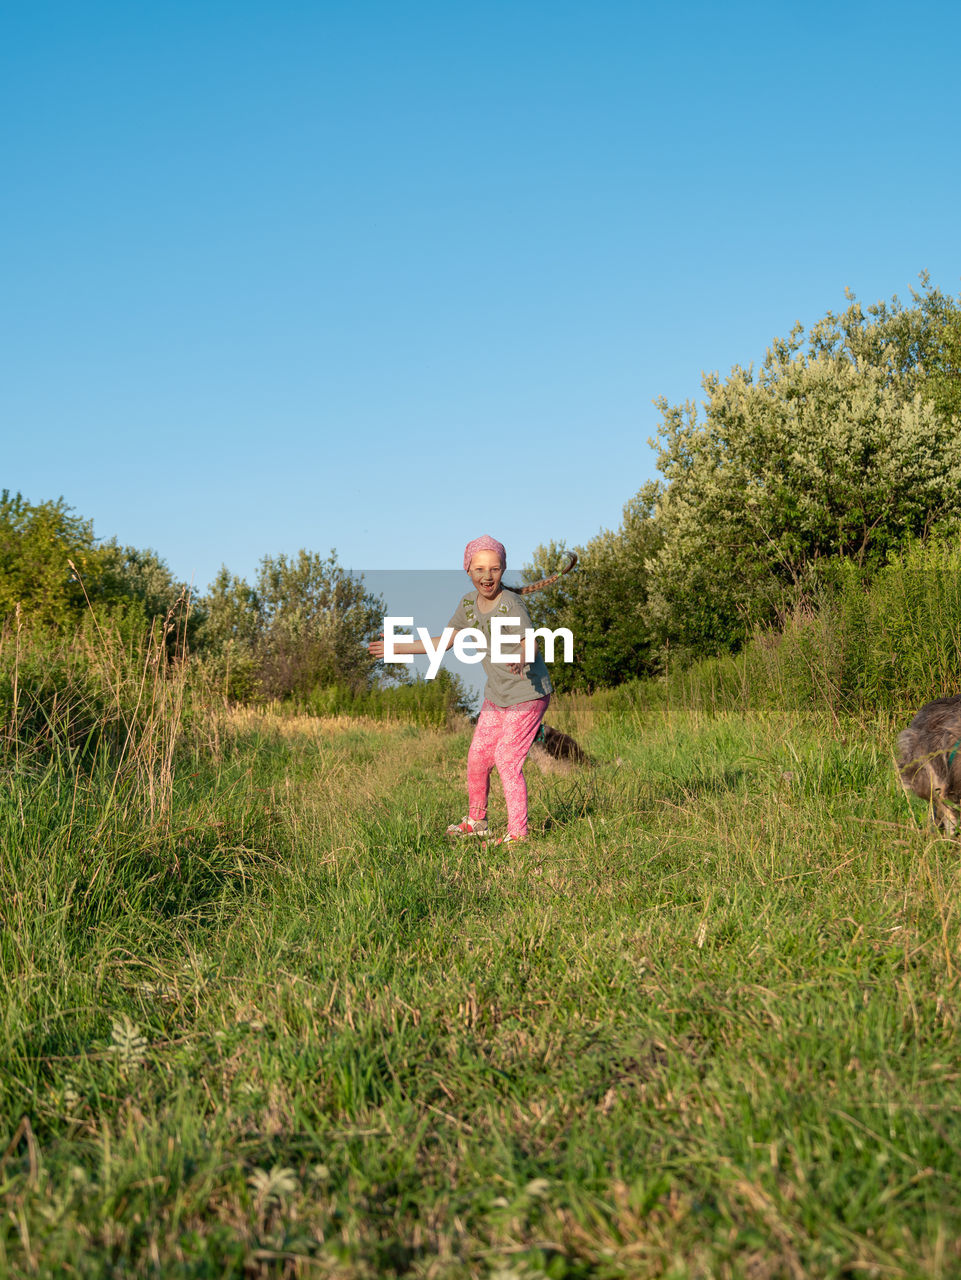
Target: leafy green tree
(231, 614)
(54, 567)
(839, 450)
(603, 602)
(918, 347)
(302, 627)
(229, 629)
(37, 542)
(136, 589)
(316, 619)
(129, 574)
(944, 380)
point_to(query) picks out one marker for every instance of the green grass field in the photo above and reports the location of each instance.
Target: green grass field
(703, 1025)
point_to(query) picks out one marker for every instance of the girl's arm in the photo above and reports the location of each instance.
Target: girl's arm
(517, 668)
(376, 647)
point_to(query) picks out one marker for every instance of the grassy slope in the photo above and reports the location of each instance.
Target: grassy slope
(703, 1025)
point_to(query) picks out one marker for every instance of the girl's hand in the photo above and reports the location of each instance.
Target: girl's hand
(376, 648)
(515, 668)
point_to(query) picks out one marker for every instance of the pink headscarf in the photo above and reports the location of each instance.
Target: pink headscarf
(484, 543)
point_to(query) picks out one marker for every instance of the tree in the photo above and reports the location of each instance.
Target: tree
(37, 542)
(302, 627)
(129, 574)
(53, 566)
(229, 631)
(918, 346)
(135, 588)
(839, 450)
(316, 619)
(603, 602)
(944, 380)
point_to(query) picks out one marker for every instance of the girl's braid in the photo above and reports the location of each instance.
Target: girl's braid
(541, 583)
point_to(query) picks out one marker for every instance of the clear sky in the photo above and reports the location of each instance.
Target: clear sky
(382, 276)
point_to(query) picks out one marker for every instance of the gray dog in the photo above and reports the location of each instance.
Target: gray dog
(929, 759)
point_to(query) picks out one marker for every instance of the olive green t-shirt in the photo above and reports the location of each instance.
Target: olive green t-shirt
(504, 688)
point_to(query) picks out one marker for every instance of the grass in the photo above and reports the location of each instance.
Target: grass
(704, 1024)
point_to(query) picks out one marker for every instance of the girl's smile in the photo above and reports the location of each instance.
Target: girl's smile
(486, 572)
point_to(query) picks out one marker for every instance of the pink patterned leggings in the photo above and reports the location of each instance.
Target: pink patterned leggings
(503, 738)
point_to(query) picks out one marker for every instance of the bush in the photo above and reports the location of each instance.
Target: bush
(101, 696)
(887, 643)
(427, 703)
(603, 603)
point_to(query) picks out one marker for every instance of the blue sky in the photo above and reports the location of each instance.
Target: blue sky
(381, 277)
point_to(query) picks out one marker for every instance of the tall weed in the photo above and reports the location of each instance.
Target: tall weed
(106, 696)
(887, 645)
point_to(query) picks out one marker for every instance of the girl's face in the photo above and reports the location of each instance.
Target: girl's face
(486, 572)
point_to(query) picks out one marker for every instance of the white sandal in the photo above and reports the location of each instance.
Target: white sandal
(468, 827)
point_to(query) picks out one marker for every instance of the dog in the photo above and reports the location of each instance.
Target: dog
(929, 759)
(556, 752)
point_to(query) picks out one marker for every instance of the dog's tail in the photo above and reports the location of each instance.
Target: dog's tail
(556, 752)
(561, 745)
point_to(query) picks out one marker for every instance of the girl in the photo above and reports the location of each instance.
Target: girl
(515, 697)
